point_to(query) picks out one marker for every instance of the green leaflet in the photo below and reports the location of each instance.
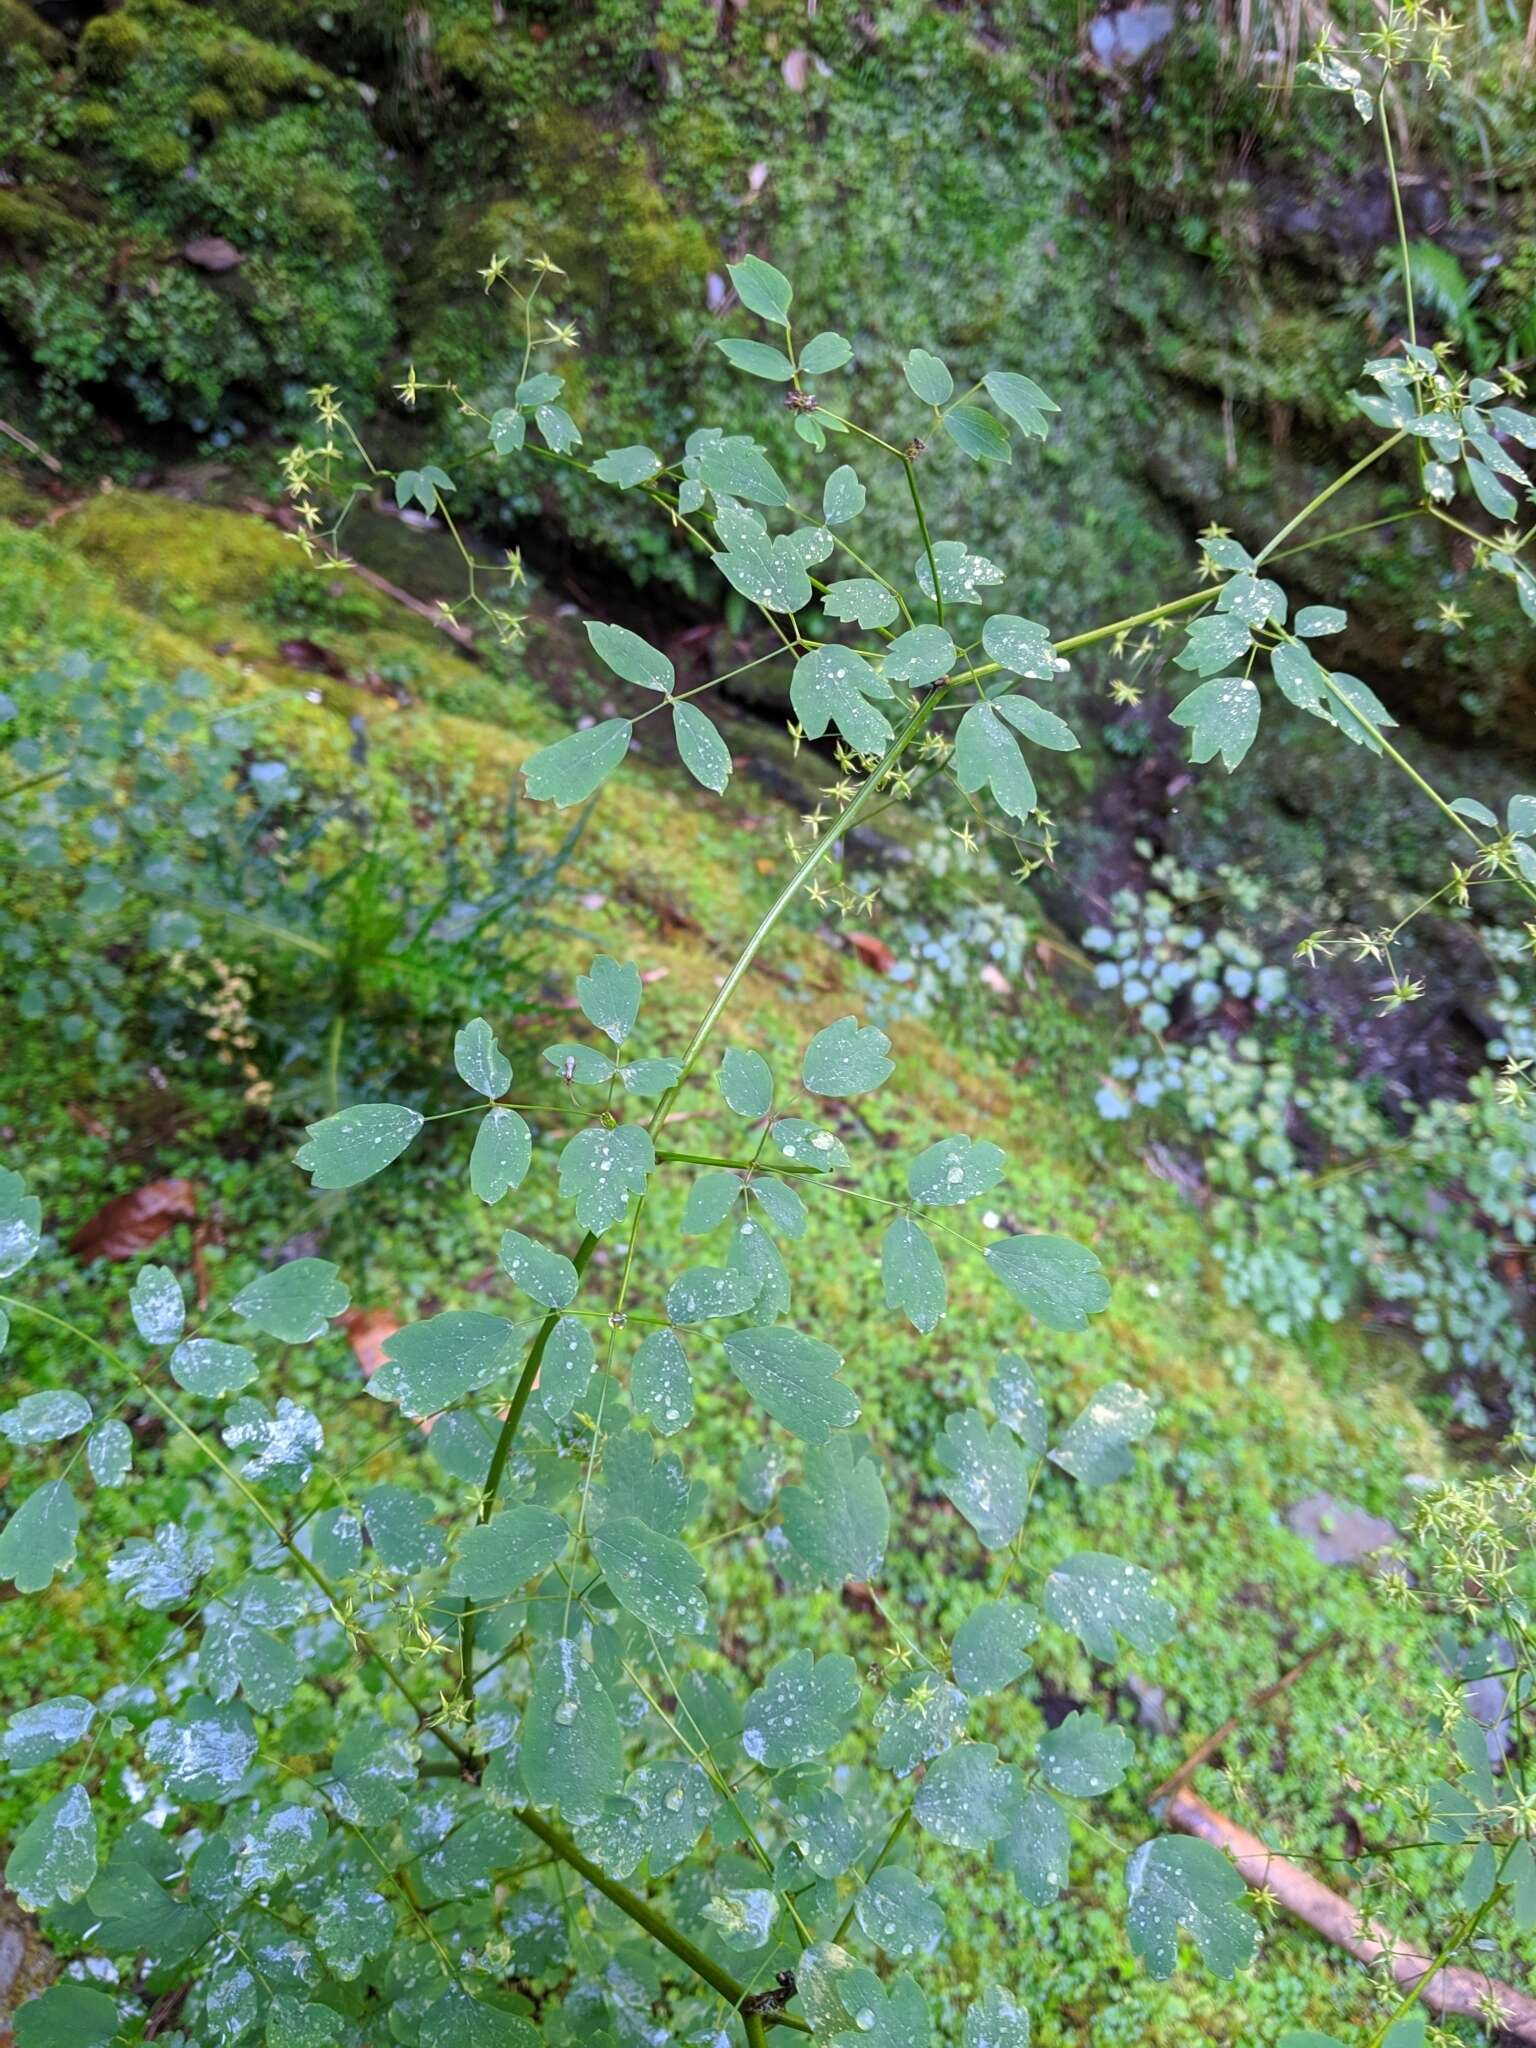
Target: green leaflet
(955, 1170)
(833, 686)
(705, 1293)
(710, 1200)
(570, 1359)
(156, 1305)
(1084, 1756)
(501, 1154)
(861, 601)
(996, 2022)
(1018, 1402)
(300, 2023)
(576, 767)
(402, 1530)
(1298, 675)
(737, 468)
(627, 467)
(988, 756)
(497, 1558)
(1097, 1598)
(428, 1366)
(896, 1912)
(704, 754)
(559, 430)
(1060, 1282)
(204, 1366)
(1039, 726)
(762, 289)
(919, 1718)
(67, 2015)
(45, 1418)
(847, 1058)
(422, 486)
(21, 1223)
(652, 1575)
(346, 1149)
(1020, 645)
(1096, 1448)
(1021, 399)
(991, 1646)
(1222, 718)
(801, 1710)
(609, 995)
(601, 1170)
(794, 1377)
(977, 434)
(770, 573)
(581, 1065)
(928, 377)
(912, 1275)
(804, 1144)
(757, 358)
(572, 1754)
(842, 496)
(460, 2020)
(988, 1476)
(296, 1303)
(824, 352)
(548, 1276)
(508, 430)
(660, 1384)
(631, 658)
(353, 1923)
(479, 1061)
(39, 1538)
(1214, 641)
(37, 1734)
(1036, 1847)
(967, 1796)
(54, 1857)
(373, 1771)
(746, 1082)
(837, 1518)
(961, 574)
(920, 655)
(1177, 1881)
(1315, 620)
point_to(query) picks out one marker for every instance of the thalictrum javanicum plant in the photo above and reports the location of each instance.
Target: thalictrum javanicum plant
(462, 1759)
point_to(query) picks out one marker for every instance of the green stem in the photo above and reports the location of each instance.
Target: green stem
(644, 1915)
(1459, 1939)
(922, 526)
(898, 1829)
(1339, 483)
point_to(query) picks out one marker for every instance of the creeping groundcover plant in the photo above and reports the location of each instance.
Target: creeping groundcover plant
(455, 1762)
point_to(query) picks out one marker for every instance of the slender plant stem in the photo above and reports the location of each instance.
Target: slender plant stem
(1330, 491)
(644, 1915)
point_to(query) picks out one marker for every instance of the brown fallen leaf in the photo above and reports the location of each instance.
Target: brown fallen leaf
(873, 952)
(131, 1223)
(368, 1331)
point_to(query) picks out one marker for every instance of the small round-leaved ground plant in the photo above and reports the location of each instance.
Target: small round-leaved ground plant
(454, 1765)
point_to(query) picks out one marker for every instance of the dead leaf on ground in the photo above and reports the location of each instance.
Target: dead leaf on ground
(368, 1331)
(131, 1223)
(873, 952)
